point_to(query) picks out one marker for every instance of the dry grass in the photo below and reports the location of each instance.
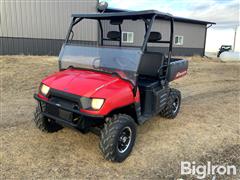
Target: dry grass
(207, 127)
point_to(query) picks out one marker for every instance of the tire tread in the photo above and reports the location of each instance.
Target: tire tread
(108, 136)
(167, 111)
(42, 123)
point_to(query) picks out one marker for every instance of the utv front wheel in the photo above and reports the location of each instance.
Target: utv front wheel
(173, 105)
(43, 123)
(118, 137)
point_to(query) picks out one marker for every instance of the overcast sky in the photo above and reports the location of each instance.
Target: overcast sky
(223, 12)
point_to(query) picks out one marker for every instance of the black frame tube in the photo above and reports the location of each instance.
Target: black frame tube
(120, 30)
(160, 42)
(146, 23)
(148, 27)
(66, 108)
(101, 31)
(148, 33)
(73, 23)
(104, 39)
(170, 46)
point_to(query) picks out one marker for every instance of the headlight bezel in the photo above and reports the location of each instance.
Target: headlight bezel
(91, 104)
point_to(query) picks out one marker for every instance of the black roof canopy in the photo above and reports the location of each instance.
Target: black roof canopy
(125, 15)
(177, 19)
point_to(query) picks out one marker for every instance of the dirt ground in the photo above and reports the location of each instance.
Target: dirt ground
(206, 129)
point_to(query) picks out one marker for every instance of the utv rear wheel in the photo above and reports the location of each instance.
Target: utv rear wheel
(118, 137)
(43, 123)
(173, 105)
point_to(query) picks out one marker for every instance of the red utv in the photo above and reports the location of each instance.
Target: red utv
(110, 89)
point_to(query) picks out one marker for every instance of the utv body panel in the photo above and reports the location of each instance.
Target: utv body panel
(75, 84)
(153, 97)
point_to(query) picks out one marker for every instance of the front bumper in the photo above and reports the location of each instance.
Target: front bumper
(66, 122)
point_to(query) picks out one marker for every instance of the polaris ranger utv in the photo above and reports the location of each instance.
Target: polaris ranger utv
(109, 89)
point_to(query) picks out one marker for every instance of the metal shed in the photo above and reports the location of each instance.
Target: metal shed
(39, 28)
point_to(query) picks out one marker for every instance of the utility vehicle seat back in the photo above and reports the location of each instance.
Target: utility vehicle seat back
(114, 35)
(155, 36)
(150, 64)
(152, 61)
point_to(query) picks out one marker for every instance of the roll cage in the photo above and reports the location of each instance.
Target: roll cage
(148, 17)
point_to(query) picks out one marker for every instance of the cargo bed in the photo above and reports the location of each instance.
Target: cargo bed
(177, 69)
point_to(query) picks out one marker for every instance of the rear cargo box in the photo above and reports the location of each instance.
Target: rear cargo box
(177, 69)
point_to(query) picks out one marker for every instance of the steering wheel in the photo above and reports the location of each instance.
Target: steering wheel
(124, 66)
(96, 63)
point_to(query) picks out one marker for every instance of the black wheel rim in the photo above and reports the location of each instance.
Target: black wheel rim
(124, 139)
(175, 105)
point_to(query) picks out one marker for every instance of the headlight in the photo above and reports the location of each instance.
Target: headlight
(97, 103)
(44, 89)
(91, 103)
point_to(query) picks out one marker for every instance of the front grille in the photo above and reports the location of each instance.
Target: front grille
(62, 99)
(57, 111)
(53, 110)
(66, 98)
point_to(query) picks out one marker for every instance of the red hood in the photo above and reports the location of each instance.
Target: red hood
(83, 82)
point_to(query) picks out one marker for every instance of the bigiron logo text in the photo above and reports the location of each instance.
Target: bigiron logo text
(201, 171)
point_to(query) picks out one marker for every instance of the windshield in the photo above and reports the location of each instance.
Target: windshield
(123, 61)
